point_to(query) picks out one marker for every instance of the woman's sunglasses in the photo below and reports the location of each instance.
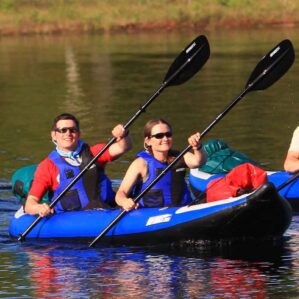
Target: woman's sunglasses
(161, 135)
(65, 129)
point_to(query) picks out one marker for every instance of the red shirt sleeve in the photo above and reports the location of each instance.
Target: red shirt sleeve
(105, 157)
(45, 178)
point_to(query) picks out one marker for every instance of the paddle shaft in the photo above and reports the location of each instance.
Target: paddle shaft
(137, 199)
(126, 126)
(249, 87)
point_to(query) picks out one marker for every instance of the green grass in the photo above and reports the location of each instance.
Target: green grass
(46, 16)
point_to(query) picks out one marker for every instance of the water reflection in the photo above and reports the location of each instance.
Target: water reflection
(44, 276)
(74, 91)
(72, 270)
(233, 278)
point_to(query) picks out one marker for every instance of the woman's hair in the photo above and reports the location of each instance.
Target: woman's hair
(148, 129)
(65, 116)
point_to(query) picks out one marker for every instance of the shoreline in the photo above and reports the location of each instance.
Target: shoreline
(131, 28)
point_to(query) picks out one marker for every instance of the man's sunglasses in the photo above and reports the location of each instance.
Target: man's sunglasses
(65, 129)
(161, 135)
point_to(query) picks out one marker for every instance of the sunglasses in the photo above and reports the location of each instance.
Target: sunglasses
(65, 129)
(161, 135)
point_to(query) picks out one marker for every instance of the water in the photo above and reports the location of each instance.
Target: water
(45, 270)
(104, 80)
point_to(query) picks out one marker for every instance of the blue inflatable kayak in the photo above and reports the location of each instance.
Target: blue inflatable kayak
(199, 181)
(263, 213)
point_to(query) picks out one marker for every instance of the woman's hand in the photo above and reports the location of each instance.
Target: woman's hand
(193, 140)
(128, 204)
(198, 157)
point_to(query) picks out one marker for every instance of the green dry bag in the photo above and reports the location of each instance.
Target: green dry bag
(222, 159)
(21, 181)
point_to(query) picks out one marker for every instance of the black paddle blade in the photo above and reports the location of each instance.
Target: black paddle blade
(198, 51)
(278, 60)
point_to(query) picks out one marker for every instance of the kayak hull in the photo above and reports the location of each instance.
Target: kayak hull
(262, 214)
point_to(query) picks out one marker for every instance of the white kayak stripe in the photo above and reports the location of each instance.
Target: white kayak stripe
(210, 204)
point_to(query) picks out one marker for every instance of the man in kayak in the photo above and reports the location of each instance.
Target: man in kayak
(171, 189)
(291, 163)
(57, 171)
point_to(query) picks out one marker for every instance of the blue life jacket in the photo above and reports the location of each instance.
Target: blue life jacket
(170, 190)
(92, 190)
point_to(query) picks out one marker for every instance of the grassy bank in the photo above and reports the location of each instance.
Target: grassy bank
(59, 16)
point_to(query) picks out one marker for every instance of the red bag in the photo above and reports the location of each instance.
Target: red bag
(242, 179)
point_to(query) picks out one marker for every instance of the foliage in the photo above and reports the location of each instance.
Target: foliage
(6, 4)
(106, 15)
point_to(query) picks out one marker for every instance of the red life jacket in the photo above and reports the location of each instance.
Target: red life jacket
(242, 179)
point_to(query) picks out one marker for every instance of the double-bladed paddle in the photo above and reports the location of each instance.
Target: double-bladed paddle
(271, 67)
(185, 66)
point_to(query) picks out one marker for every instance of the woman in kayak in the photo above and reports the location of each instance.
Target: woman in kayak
(171, 189)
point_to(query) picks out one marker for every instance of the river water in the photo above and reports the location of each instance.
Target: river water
(104, 80)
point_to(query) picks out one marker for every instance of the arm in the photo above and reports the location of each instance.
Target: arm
(123, 142)
(291, 162)
(33, 207)
(137, 169)
(43, 181)
(198, 157)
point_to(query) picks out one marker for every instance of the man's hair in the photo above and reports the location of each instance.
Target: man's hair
(65, 116)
